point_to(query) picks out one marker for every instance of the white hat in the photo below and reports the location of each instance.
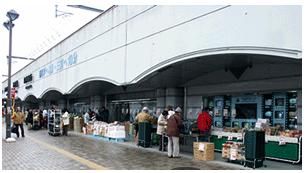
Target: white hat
(178, 109)
(170, 113)
(145, 109)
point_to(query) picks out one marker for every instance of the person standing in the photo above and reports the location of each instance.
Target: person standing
(105, 114)
(173, 124)
(30, 119)
(65, 121)
(204, 122)
(86, 118)
(161, 128)
(143, 116)
(45, 118)
(18, 119)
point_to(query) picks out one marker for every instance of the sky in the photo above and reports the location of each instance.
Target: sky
(37, 29)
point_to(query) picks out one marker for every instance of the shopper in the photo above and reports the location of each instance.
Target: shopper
(18, 119)
(204, 122)
(105, 114)
(41, 119)
(65, 123)
(45, 118)
(161, 129)
(173, 124)
(179, 111)
(143, 116)
(86, 118)
(30, 119)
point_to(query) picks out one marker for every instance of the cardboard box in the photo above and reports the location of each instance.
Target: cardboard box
(203, 151)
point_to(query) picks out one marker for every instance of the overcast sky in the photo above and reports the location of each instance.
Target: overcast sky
(37, 29)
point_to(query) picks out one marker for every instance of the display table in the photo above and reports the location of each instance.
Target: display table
(276, 147)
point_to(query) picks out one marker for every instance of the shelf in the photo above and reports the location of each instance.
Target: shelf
(294, 140)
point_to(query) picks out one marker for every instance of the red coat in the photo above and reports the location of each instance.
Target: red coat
(204, 121)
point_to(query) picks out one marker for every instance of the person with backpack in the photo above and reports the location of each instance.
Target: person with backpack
(204, 122)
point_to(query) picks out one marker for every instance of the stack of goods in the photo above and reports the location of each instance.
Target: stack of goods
(203, 151)
(291, 133)
(99, 128)
(233, 151)
(71, 118)
(131, 130)
(127, 127)
(90, 128)
(233, 130)
(226, 147)
(77, 124)
(115, 131)
(262, 124)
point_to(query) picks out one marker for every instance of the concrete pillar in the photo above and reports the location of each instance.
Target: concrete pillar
(41, 104)
(299, 110)
(62, 104)
(175, 97)
(95, 102)
(160, 101)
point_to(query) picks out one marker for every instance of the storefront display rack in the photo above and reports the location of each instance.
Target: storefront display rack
(54, 120)
(288, 149)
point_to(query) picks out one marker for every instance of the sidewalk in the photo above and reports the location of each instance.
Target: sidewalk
(38, 150)
(269, 164)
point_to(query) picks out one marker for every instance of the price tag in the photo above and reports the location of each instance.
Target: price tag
(230, 138)
(282, 141)
(201, 147)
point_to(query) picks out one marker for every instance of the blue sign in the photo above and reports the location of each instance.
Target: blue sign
(58, 65)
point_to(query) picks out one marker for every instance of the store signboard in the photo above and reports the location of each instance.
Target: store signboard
(58, 65)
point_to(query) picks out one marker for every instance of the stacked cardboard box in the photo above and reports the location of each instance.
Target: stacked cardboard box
(203, 151)
(233, 150)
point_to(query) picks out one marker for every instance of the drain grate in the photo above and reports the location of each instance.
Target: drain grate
(186, 168)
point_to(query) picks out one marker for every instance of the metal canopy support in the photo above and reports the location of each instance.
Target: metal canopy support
(86, 8)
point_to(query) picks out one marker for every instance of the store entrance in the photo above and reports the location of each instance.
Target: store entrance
(127, 110)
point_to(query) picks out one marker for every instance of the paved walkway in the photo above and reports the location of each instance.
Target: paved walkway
(40, 151)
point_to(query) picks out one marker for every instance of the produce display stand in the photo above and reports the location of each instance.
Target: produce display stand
(54, 121)
(228, 155)
(288, 149)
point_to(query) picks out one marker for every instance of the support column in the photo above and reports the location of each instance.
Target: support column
(160, 101)
(299, 110)
(175, 97)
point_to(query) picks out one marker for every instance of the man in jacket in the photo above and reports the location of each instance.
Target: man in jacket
(18, 119)
(173, 124)
(204, 122)
(143, 116)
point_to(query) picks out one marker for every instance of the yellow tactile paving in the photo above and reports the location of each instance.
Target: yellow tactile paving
(86, 162)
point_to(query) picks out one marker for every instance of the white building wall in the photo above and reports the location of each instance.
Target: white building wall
(126, 43)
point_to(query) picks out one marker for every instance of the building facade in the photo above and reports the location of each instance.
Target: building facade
(245, 62)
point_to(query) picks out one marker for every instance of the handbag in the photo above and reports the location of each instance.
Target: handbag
(14, 129)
